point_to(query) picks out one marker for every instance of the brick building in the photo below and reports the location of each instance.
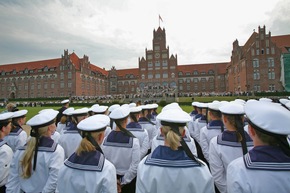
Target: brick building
(256, 66)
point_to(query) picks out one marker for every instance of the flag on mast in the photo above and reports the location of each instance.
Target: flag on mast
(160, 18)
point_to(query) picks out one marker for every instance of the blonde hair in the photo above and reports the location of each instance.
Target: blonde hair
(86, 145)
(63, 119)
(171, 137)
(26, 162)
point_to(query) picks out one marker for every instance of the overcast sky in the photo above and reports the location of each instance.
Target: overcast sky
(117, 32)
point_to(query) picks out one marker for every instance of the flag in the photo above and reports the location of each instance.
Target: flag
(160, 18)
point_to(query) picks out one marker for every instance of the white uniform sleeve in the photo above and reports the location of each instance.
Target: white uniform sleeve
(145, 145)
(233, 180)
(216, 166)
(13, 184)
(190, 128)
(20, 140)
(55, 162)
(204, 143)
(6, 155)
(110, 182)
(132, 172)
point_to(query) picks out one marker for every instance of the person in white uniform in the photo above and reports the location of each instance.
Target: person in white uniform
(35, 166)
(229, 145)
(266, 167)
(136, 129)
(71, 137)
(171, 168)
(212, 129)
(17, 137)
(87, 170)
(6, 152)
(65, 120)
(102, 110)
(122, 149)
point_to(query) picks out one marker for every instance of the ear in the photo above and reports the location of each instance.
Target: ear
(252, 131)
(183, 133)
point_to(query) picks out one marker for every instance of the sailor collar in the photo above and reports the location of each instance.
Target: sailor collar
(2, 142)
(267, 158)
(164, 156)
(16, 131)
(118, 139)
(45, 144)
(229, 138)
(88, 161)
(134, 126)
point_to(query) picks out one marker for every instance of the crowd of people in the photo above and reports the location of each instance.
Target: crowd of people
(227, 147)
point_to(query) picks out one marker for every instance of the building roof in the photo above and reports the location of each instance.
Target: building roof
(282, 42)
(220, 67)
(124, 72)
(98, 69)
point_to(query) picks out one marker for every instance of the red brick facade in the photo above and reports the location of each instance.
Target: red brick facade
(253, 67)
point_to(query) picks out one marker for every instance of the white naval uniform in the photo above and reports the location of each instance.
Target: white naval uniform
(124, 153)
(70, 140)
(159, 140)
(207, 133)
(55, 136)
(223, 149)
(151, 129)
(90, 172)
(6, 155)
(191, 126)
(60, 126)
(136, 129)
(50, 157)
(264, 169)
(198, 124)
(16, 138)
(166, 170)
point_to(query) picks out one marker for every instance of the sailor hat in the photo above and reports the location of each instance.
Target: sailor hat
(43, 119)
(155, 106)
(112, 107)
(120, 113)
(99, 109)
(173, 105)
(265, 99)
(80, 112)
(174, 116)
(4, 117)
(288, 105)
(132, 105)
(44, 110)
(19, 113)
(271, 118)
(148, 106)
(214, 106)
(94, 123)
(202, 105)
(135, 109)
(284, 101)
(68, 111)
(65, 101)
(232, 108)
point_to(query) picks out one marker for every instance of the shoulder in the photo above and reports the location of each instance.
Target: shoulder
(5, 150)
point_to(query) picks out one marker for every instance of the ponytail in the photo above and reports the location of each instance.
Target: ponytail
(171, 137)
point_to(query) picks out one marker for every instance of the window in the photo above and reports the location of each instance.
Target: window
(52, 85)
(203, 80)
(195, 72)
(32, 86)
(187, 73)
(255, 63)
(256, 75)
(253, 52)
(69, 75)
(188, 80)
(256, 88)
(180, 73)
(267, 51)
(210, 72)
(180, 81)
(164, 55)
(262, 51)
(202, 73)
(150, 64)
(257, 44)
(180, 87)
(150, 76)
(157, 75)
(257, 52)
(195, 80)
(45, 86)
(270, 62)
(38, 86)
(149, 56)
(164, 63)
(272, 87)
(61, 75)
(143, 76)
(271, 75)
(272, 50)
(267, 43)
(61, 85)
(165, 75)
(69, 84)
(157, 64)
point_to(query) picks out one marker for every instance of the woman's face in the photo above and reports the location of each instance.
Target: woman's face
(6, 129)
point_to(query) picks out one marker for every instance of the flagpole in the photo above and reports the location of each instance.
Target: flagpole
(159, 20)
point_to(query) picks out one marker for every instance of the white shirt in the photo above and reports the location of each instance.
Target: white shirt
(6, 154)
(160, 174)
(16, 139)
(44, 178)
(151, 129)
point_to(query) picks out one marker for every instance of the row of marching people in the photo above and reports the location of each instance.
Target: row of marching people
(89, 156)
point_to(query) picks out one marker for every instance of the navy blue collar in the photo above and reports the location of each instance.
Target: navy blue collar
(16, 131)
(203, 117)
(267, 158)
(198, 116)
(72, 126)
(134, 125)
(232, 137)
(2, 142)
(164, 156)
(215, 123)
(194, 112)
(89, 161)
(118, 137)
(45, 142)
(142, 119)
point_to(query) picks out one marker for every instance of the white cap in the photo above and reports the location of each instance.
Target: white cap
(120, 113)
(174, 116)
(132, 105)
(19, 113)
(65, 101)
(271, 118)
(135, 109)
(265, 99)
(284, 101)
(95, 105)
(232, 108)
(94, 123)
(68, 111)
(99, 109)
(173, 105)
(240, 101)
(155, 105)
(43, 119)
(112, 107)
(5, 116)
(80, 112)
(202, 105)
(148, 106)
(214, 106)
(194, 103)
(44, 110)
